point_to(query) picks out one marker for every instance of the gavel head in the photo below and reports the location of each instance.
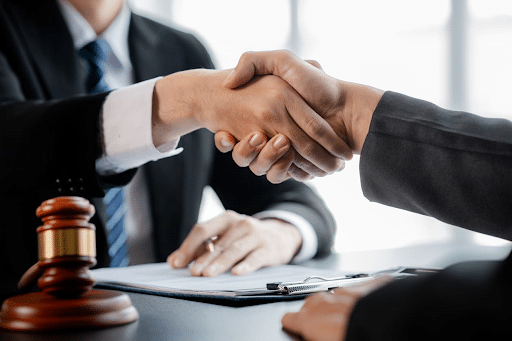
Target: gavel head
(67, 246)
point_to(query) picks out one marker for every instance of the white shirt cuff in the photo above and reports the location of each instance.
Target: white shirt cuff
(309, 238)
(127, 131)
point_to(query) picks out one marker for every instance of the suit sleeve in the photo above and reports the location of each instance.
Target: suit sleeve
(455, 167)
(46, 143)
(449, 165)
(466, 301)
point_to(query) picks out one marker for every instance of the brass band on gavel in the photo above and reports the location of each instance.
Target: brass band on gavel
(67, 242)
(66, 230)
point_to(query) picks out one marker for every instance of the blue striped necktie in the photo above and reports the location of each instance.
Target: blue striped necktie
(95, 54)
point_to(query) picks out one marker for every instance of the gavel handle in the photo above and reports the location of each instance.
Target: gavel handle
(30, 276)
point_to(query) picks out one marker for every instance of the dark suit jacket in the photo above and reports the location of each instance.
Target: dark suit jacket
(456, 167)
(50, 140)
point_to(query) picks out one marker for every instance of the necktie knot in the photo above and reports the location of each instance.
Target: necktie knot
(95, 53)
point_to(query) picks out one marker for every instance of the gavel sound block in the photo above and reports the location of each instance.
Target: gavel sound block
(67, 248)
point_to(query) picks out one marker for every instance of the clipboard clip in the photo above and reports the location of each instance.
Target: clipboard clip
(317, 283)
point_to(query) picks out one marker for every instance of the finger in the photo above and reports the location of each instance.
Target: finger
(252, 262)
(281, 64)
(248, 148)
(306, 146)
(269, 154)
(278, 172)
(234, 253)
(245, 70)
(310, 168)
(194, 242)
(314, 63)
(292, 322)
(230, 248)
(298, 174)
(261, 63)
(224, 141)
(317, 128)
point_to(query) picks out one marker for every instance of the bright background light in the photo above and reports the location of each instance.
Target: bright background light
(397, 45)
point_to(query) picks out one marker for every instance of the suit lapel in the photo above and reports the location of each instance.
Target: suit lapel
(50, 44)
(149, 55)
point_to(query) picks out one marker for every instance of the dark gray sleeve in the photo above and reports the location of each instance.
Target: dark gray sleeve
(456, 167)
(453, 166)
(467, 301)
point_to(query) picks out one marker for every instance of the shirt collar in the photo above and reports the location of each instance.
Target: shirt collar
(116, 34)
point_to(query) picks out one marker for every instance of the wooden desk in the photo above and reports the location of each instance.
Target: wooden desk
(164, 318)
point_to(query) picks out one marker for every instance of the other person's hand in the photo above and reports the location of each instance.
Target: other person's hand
(346, 107)
(243, 244)
(325, 316)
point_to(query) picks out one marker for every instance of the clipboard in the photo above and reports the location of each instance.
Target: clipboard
(272, 292)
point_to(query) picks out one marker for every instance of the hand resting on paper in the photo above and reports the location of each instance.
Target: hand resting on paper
(243, 245)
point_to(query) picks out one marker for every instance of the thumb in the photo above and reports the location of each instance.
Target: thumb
(241, 74)
(258, 64)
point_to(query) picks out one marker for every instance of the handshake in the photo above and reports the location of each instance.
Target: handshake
(315, 122)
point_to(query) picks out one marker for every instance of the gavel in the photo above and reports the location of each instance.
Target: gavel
(67, 249)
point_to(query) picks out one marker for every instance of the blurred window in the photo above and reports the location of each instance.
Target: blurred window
(456, 54)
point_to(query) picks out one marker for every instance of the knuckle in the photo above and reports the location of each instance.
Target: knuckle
(314, 126)
(237, 248)
(304, 147)
(200, 229)
(246, 56)
(269, 116)
(309, 149)
(299, 175)
(283, 55)
(281, 166)
(315, 63)
(230, 214)
(247, 224)
(244, 222)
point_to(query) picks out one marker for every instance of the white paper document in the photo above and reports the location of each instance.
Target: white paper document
(161, 277)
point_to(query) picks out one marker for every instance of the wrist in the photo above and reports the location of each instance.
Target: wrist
(174, 107)
(292, 233)
(359, 103)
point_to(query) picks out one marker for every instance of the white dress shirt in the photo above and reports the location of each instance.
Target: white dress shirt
(128, 141)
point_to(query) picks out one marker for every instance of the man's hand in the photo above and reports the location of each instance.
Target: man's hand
(185, 101)
(273, 158)
(346, 107)
(325, 316)
(244, 244)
